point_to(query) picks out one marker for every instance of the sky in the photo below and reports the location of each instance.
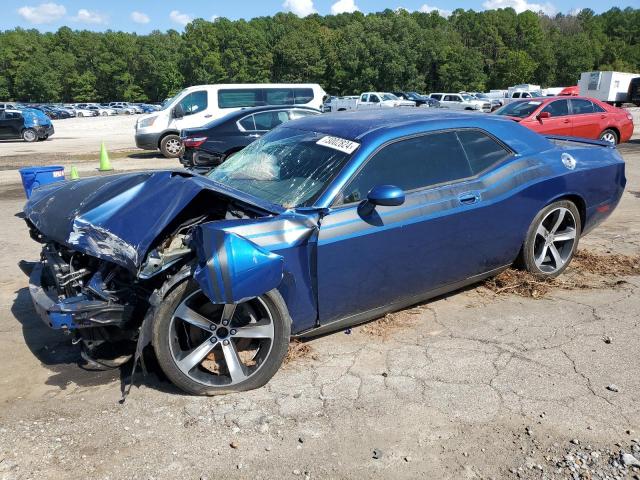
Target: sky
(143, 16)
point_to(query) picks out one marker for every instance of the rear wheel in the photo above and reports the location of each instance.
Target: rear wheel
(552, 239)
(609, 136)
(29, 135)
(171, 146)
(208, 349)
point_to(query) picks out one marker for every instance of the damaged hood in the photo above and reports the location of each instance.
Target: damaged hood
(117, 217)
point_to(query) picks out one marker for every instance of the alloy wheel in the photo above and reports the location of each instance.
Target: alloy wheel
(554, 240)
(220, 345)
(609, 137)
(173, 146)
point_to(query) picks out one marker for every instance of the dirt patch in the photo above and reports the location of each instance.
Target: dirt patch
(388, 324)
(588, 270)
(298, 351)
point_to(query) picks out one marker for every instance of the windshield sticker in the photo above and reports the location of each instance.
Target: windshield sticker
(346, 146)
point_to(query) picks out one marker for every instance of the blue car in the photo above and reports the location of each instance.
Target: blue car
(323, 223)
(28, 124)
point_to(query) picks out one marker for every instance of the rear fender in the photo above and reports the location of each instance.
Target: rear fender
(232, 269)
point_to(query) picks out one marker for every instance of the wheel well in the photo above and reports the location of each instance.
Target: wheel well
(165, 134)
(579, 203)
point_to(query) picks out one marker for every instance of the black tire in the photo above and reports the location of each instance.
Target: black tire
(167, 146)
(610, 136)
(162, 338)
(29, 135)
(535, 243)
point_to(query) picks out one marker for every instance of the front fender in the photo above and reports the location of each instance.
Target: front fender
(231, 268)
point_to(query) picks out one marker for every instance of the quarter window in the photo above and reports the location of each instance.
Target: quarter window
(482, 151)
(559, 108)
(411, 164)
(581, 107)
(302, 95)
(248, 123)
(195, 102)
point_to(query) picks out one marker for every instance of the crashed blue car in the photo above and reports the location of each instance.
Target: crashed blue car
(324, 223)
(27, 123)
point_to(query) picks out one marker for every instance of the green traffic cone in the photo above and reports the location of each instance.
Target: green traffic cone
(105, 164)
(74, 173)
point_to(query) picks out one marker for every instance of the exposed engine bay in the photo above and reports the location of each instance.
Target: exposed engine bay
(102, 303)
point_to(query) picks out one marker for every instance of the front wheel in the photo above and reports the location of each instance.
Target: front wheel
(552, 239)
(208, 349)
(171, 146)
(609, 136)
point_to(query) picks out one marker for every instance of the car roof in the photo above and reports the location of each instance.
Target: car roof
(361, 124)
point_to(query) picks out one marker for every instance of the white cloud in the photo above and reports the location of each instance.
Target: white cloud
(575, 11)
(43, 13)
(344, 6)
(87, 16)
(140, 17)
(214, 17)
(180, 18)
(441, 11)
(521, 5)
(302, 8)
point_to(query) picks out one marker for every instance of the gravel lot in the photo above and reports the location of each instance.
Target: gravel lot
(471, 385)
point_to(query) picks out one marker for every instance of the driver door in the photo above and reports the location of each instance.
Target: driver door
(372, 257)
(196, 110)
(560, 122)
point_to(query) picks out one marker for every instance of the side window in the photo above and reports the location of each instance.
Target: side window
(597, 108)
(482, 151)
(248, 123)
(516, 95)
(581, 107)
(195, 102)
(269, 120)
(410, 164)
(279, 96)
(363, 97)
(437, 96)
(559, 108)
(302, 95)
(239, 97)
(374, 99)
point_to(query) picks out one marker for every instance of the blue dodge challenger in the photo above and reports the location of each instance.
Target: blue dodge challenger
(323, 223)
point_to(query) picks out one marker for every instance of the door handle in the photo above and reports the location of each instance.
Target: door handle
(566, 121)
(208, 115)
(254, 135)
(469, 198)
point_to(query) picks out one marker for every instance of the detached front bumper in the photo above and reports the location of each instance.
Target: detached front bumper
(73, 312)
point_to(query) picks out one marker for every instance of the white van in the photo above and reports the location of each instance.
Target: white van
(196, 106)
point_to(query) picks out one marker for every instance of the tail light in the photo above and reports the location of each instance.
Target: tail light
(194, 142)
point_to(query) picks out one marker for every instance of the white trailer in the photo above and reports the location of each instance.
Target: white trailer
(610, 87)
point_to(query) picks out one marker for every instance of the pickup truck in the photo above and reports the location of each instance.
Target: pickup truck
(367, 100)
(461, 101)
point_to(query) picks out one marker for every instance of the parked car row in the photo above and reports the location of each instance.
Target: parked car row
(59, 111)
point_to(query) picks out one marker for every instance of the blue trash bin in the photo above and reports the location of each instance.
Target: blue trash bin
(33, 177)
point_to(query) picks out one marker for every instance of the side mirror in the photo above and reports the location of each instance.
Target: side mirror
(542, 115)
(178, 111)
(386, 195)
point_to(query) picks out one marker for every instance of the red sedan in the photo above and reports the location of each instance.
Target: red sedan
(572, 117)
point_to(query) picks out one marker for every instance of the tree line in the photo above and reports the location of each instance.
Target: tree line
(346, 54)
